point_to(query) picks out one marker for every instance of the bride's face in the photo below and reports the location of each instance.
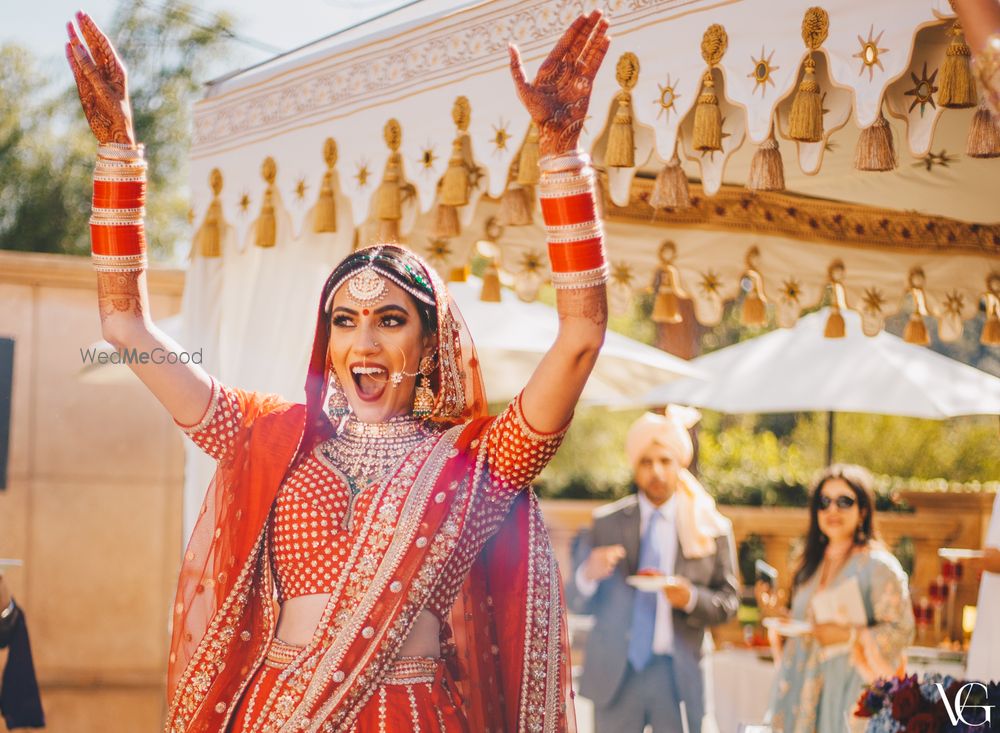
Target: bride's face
(376, 350)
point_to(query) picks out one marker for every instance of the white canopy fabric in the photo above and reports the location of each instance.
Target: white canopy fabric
(798, 370)
(936, 215)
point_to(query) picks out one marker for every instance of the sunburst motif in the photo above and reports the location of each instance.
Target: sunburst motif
(710, 284)
(244, 202)
(500, 136)
(954, 303)
(870, 52)
(668, 97)
(362, 174)
(923, 90)
(438, 250)
(873, 300)
(762, 71)
(427, 157)
(791, 290)
(943, 159)
(300, 189)
(530, 262)
(621, 274)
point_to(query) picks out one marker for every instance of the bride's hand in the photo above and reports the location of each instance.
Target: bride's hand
(558, 98)
(101, 81)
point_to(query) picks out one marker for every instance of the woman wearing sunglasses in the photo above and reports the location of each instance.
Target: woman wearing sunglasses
(845, 570)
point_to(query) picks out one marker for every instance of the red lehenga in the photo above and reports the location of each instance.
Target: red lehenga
(450, 529)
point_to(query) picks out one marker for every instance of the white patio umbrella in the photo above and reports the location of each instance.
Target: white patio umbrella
(511, 337)
(799, 370)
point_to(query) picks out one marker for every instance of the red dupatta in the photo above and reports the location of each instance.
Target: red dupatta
(509, 622)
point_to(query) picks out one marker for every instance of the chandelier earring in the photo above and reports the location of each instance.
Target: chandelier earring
(424, 399)
(336, 402)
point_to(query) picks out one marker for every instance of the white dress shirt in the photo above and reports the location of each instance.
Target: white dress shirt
(663, 631)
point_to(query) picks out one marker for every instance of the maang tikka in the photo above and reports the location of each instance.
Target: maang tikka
(424, 399)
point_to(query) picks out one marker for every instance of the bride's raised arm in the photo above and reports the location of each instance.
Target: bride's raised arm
(557, 100)
(118, 241)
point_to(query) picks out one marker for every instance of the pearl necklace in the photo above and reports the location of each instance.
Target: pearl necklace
(366, 452)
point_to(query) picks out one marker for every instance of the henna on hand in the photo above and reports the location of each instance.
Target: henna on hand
(590, 303)
(558, 98)
(119, 293)
(101, 81)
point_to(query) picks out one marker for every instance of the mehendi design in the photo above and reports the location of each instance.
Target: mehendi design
(590, 303)
(119, 292)
(101, 82)
(558, 99)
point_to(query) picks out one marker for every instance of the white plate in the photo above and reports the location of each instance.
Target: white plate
(788, 626)
(958, 553)
(7, 562)
(651, 583)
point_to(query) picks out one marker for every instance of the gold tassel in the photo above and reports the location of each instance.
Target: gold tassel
(620, 150)
(876, 151)
(835, 327)
(671, 188)
(455, 183)
(957, 86)
(491, 284)
(707, 118)
(389, 196)
(209, 237)
(515, 206)
(767, 171)
(667, 306)
(984, 135)
(916, 330)
(445, 222)
(266, 229)
(991, 329)
(527, 162)
(458, 274)
(325, 219)
(805, 121)
(754, 311)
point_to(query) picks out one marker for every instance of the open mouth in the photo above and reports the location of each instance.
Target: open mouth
(370, 380)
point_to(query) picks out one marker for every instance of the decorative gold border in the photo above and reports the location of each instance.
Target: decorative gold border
(815, 220)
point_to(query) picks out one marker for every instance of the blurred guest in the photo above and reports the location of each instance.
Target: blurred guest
(981, 24)
(984, 651)
(822, 673)
(643, 655)
(19, 700)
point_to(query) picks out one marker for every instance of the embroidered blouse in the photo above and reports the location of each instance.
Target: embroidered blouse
(308, 544)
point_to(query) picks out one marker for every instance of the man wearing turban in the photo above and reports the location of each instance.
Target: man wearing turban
(643, 656)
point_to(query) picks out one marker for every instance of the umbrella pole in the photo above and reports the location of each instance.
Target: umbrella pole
(829, 438)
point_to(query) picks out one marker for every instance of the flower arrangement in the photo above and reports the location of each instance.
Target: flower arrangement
(914, 706)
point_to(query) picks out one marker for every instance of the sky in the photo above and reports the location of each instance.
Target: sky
(267, 26)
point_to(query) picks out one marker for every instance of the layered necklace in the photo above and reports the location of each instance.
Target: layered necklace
(365, 452)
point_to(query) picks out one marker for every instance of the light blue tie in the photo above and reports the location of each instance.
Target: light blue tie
(640, 644)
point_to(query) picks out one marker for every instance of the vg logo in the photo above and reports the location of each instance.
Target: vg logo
(956, 708)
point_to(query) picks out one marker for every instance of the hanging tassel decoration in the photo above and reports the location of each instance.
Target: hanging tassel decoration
(707, 135)
(389, 197)
(326, 209)
(957, 85)
(805, 121)
(456, 182)
(835, 327)
(515, 206)
(446, 224)
(767, 171)
(491, 284)
(916, 329)
(991, 329)
(209, 237)
(266, 229)
(984, 135)
(754, 311)
(670, 191)
(667, 306)
(527, 161)
(876, 151)
(620, 151)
